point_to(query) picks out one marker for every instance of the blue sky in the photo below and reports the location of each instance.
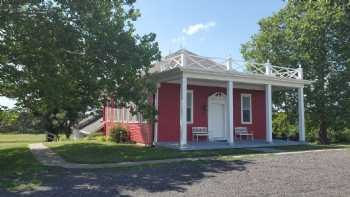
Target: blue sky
(207, 27)
(210, 28)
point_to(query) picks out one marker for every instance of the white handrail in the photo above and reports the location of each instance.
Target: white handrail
(249, 67)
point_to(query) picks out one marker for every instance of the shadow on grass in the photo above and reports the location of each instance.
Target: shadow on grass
(130, 181)
(18, 167)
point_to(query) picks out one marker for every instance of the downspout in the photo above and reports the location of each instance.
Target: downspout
(153, 122)
(104, 119)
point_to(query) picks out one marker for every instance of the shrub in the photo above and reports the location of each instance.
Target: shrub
(119, 134)
(340, 136)
(100, 138)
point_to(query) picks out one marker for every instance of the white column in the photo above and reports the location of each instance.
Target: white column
(183, 109)
(301, 114)
(268, 68)
(230, 111)
(268, 101)
(155, 137)
(229, 63)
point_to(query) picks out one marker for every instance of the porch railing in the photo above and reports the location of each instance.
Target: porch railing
(210, 63)
(266, 69)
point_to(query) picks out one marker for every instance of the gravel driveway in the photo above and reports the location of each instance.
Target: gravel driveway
(308, 174)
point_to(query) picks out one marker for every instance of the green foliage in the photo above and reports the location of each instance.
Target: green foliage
(340, 136)
(101, 138)
(94, 136)
(282, 127)
(60, 59)
(14, 121)
(315, 35)
(119, 134)
(7, 119)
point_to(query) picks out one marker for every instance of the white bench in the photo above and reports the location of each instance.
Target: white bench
(243, 131)
(199, 131)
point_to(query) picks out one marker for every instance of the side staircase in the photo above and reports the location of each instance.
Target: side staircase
(88, 126)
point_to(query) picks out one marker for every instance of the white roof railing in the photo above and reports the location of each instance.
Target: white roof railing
(184, 58)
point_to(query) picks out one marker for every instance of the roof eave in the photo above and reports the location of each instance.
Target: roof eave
(244, 77)
(178, 72)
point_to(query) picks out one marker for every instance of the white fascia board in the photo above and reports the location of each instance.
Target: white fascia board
(244, 78)
(169, 75)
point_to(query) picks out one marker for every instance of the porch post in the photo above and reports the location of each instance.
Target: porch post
(230, 111)
(268, 101)
(301, 114)
(183, 111)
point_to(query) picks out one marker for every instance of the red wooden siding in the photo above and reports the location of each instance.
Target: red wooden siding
(168, 112)
(169, 109)
(258, 111)
(138, 132)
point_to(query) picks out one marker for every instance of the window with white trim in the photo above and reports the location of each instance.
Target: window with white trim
(123, 115)
(246, 108)
(189, 110)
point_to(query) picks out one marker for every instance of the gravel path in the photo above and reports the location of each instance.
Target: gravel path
(308, 174)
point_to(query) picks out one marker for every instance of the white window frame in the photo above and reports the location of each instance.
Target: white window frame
(250, 108)
(125, 116)
(191, 92)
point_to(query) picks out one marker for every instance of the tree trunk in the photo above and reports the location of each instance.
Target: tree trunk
(323, 137)
(50, 128)
(67, 132)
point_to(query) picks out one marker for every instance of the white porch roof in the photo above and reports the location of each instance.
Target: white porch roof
(185, 63)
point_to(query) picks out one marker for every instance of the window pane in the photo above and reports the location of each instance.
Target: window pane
(189, 99)
(246, 116)
(139, 118)
(246, 102)
(130, 119)
(189, 106)
(125, 115)
(189, 115)
(117, 114)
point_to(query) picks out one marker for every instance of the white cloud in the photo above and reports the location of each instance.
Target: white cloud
(192, 29)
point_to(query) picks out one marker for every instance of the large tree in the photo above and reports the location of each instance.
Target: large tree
(61, 58)
(314, 34)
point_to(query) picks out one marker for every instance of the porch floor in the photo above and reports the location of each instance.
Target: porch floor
(205, 145)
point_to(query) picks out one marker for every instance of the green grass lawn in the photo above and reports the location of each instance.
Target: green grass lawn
(18, 166)
(92, 151)
(108, 152)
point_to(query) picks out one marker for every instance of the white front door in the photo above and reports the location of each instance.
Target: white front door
(216, 118)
